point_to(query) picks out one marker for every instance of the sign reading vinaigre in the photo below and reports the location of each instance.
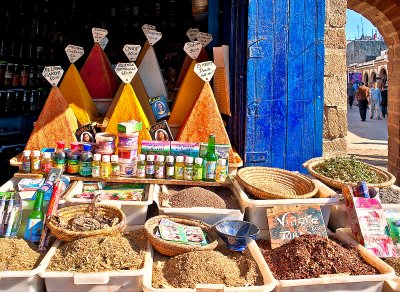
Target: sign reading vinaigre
(288, 222)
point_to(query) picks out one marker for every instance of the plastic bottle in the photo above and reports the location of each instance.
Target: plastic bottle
(170, 168)
(198, 169)
(85, 166)
(73, 158)
(150, 167)
(96, 165)
(35, 161)
(46, 163)
(105, 169)
(210, 160)
(221, 170)
(59, 159)
(179, 167)
(35, 219)
(26, 161)
(115, 166)
(160, 167)
(188, 171)
(141, 166)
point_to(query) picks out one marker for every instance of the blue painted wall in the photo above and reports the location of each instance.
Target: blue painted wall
(285, 70)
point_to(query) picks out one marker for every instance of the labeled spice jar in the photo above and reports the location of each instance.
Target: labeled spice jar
(198, 169)
(188, 171)
(221, 170)
(59, 159)
(170, 168)
(85, 166)
(26, 161)
(35, 161)
(105, 169)
(160, 167)
(179, 167)
(115, 166)
(73, 158)
(46, 162)
(96, 165)
(141, 166)
(150, 166)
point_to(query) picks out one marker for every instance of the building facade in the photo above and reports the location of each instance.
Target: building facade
(363, 50)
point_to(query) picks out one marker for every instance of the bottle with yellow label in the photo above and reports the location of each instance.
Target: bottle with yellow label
(35, 162)
(179, 167)
(221, 170)
(105, 169)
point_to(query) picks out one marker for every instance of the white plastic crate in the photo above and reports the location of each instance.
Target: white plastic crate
(135, 211)
(206, 214)
(256, 210)
(27, 281)
(269, 281)
(110, 281)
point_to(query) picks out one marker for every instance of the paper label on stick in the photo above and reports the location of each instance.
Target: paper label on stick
(132, 52)
(74, 53)
(193, 49)
(126, 71)
(147, 27)
(204, 38)
(192, 33)
(103, 43)
(205, 70)
(153, 36)
(98, 34)
(53, 74)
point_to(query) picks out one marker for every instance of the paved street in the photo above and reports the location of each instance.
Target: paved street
(367, 140)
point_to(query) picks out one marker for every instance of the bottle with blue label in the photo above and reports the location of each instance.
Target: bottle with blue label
(85, 166)
(34, 226)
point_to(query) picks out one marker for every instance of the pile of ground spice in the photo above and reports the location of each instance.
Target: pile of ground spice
(18, 255)
(219, 198)
(389, 196)
(309, 256)
(221, 266)
(394, 263)
(101, 253)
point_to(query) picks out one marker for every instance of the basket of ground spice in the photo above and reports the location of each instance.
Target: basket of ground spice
(315, 263)
(340, 171)
(275, 183)
(393, 284)
(86, 220)
(173, 248)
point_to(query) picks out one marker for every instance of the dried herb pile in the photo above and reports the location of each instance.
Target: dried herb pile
(389, 196)
(394, 263)
(200, 197)
(221, 266)
(18, 255)
(101, 253)
(309, 256)
(88, 222)
(348, 169)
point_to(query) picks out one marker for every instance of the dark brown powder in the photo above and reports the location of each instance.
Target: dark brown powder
(310, 256)
(394, 263)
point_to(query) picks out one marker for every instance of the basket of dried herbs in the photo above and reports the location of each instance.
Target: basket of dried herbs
(339, 171)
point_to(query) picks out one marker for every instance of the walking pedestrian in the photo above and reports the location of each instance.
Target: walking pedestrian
(350, 94)
(375, 101)
(362, 96)
(384, 95)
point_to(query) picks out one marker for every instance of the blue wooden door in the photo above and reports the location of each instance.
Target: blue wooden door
(285, 71)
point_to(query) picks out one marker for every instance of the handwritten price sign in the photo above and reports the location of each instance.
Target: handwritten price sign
(147, 27)
(205, 70)
(74, 53)
(193, 49)
(204, 38)
(126, 71)
(132, 52)
(53, 74)
(192, 33)
(98, 34)
(153, 36)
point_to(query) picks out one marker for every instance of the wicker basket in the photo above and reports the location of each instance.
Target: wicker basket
(275, 183)
(70, 212)
(389, 179)
(171, 248)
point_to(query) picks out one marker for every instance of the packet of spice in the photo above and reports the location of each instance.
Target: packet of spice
(172, 231)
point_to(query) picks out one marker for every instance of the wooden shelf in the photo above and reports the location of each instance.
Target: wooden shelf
(134, 180)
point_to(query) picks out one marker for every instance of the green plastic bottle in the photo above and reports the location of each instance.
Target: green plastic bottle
(210, 160)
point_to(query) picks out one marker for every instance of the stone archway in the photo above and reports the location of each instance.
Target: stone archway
(384, 14)
(372, 79)
(366, 78)
(383, 76)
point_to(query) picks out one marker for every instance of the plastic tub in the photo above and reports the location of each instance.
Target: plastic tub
(208, 215)
(256, 210)
(269, 281)
(100, 282)
(128, 140)
(135, 211)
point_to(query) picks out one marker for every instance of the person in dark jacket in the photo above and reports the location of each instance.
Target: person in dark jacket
(384, 95)
(362, 96)
(350, 94)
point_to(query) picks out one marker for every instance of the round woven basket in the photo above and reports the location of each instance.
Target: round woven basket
(69, 213)
(389, 179)
(275, 183)
(171, 248)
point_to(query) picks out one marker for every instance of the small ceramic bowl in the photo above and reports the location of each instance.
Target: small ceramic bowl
(236, 234)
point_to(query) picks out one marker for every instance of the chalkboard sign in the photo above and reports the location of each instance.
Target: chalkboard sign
(288, 222)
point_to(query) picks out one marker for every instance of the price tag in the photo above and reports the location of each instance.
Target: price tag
(126, 71)
(192, 33)
(153, 36)
(193, 49)
(74, 53)
(205, 70)
(147, 27)
(98, 34)
(132, 51)
(53, 74)
(103, 43)
(204, 38)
